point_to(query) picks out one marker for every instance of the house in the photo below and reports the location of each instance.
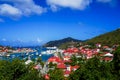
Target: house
(54, 60)
(67, 73)
(37, 67)
(69, 69)
(66, 58)
(109, 54)
(98, 45)
(107, 59)
(47, 77)
(105, 47)
(74, 68)
(28, 62)
(61, 66)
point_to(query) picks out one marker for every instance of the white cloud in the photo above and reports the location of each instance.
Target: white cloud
(8, 10)
(73, 4)
(104, 1)
(28, 7)
(20, 8)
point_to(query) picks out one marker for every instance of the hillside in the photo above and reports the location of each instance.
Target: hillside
(62, 42)
(109, 38)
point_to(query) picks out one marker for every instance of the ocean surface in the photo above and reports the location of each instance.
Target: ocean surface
(31, 55)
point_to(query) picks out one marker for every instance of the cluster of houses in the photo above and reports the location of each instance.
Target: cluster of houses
(104, 52)
(5, 50)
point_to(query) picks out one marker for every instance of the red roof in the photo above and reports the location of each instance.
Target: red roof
(75, 67)
(47, 77)
(105, 46)
(36, 67)
(61, 66)
(71, 50)
(107, 59)
(66, 56)
(67, 61)
(67, 72)
(54, 59)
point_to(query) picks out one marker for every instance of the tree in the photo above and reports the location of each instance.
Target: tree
(51, 65)
(93, 69)
(17, 70)
(116, 63)
(5, 70)
(39, 60)
(56, 74)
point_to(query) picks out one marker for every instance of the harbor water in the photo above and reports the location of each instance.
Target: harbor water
(31, 55)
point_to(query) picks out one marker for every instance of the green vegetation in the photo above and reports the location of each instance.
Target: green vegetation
(109, 38)
(94, 69)
(17, 70)
(56, 74)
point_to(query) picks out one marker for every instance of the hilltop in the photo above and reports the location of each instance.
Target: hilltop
(62, 42)
(109, 38)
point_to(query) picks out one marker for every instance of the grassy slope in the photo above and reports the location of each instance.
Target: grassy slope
(109, 38)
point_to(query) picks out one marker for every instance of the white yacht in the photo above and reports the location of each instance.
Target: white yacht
(52, 47)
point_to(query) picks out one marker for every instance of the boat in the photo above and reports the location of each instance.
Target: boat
(8, 55)
(40, 55)
(48, 52)
(37, 53)
(27, 53)
(51, 47)
(13, 56)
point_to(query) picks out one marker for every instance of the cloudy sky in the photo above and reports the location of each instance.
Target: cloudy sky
(39, 21)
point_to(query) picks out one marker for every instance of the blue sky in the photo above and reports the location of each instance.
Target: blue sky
(39, 21)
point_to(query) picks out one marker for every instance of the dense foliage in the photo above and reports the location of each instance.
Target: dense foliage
(56, 74)
(17, 70)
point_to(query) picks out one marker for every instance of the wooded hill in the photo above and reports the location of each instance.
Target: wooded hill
(62, 42)
(109, 38)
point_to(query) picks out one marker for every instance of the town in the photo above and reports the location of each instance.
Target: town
(65, 59)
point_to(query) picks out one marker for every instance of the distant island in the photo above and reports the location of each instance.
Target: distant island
(62, 42)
